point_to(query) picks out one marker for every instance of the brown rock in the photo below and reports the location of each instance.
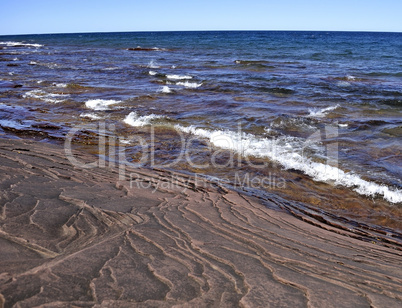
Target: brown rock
(83, 237)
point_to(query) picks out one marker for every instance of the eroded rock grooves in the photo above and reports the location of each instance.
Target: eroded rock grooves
(82, 238)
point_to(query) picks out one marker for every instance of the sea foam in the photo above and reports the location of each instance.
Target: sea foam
(287, 152)
(100, 104)
(179, 77)
(60, 85)
(91, 116)
(152, 64)
(165, 89)
(319, 113)
(135, 120)
(45, 96)
(190, 85)
(13, 44)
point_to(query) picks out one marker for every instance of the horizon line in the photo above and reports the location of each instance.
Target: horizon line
(167, 31)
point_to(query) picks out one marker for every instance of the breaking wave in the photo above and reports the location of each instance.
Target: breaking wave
(100, 104)
(288, 152)
(135, 120)
(45, 96)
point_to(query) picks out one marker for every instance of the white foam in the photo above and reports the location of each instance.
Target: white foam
(45, 96)
(288, 153)
(135, 120)
(295, 122)
(48, 65)
(190, 85)
(179, 77)
(111, 68)
(148, 49)
(351, 78)
(12, 123)
(319, 113)
(100, 104)
(165, 89)
(12, 44)
(60, 85)
(124, 141)
(56, 95)
(152, 73)
(152, 64)
(91, 116)
(343, 84)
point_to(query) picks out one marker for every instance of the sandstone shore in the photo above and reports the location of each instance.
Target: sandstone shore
(72, 237)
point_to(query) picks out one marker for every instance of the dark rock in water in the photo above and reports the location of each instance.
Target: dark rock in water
(8, 84)
(30, 133)
(142, 49)
(46, 126)
(276, 90)
(394, 131)
(12, 64)
(392, 102)
(147, 49)
(375, 122)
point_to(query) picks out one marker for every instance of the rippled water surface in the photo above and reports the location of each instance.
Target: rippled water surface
(309, 119)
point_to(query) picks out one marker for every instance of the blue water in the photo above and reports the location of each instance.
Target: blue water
(297, 91)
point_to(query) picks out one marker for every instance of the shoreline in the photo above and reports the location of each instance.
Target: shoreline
(72, 236)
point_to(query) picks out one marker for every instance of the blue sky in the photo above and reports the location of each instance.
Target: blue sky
(52, 16)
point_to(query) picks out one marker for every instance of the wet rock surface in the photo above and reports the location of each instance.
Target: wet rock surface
(74, 237)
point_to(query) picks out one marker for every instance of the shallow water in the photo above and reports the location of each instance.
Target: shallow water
(310, 119)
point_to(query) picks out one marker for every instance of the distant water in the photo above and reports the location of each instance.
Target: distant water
(321, 111)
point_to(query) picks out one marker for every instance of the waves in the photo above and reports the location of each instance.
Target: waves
(91, 116)
(101, 104)
(288, 152)
(178, 80)
(178, 77)
(190, 85)
(135, 120)
(319, 113)
(45, 96)
(165, 89)
(20, 44)
(152, 64)
(175, 79)
(271, 86)
(139, 48)
(48, 65)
